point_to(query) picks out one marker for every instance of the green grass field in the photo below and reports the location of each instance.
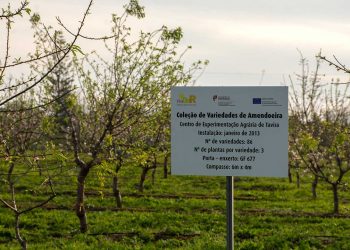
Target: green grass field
(181, 212)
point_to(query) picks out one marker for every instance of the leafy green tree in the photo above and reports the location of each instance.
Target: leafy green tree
(155, 141)
(116, 155)
(20, 136)
(146, 149)
(117, 93)
(58, 85)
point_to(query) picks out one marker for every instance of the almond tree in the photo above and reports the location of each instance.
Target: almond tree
(116, 156)
(155, 142)
(320, 134)
(20, 135)
(326, 154)
(146, 151)
(305, 111)
(115, 94)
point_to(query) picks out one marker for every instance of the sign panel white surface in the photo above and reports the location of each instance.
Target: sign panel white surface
(229, 131)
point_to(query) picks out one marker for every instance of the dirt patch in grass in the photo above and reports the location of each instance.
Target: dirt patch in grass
(158, 196)
(178, 236)
(153, 237)
(283, 213)
(262, 187)
(129, 209)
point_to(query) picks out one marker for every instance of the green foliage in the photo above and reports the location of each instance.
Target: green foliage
(109, 140)
(76, 49)
(342, 137)
(28, 11)
(308, 143)
(135, 9)
(48, 125)
(174, 35)
(35, 19)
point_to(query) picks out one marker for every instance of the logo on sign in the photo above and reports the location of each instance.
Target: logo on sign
(223, 100)
(270, 101)
(186, 100)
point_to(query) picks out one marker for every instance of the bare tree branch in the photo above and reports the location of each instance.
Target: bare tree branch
(8, 13)
(72, 44)
(8, 205)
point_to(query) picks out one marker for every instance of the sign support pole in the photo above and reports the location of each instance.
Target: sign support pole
(229, 212)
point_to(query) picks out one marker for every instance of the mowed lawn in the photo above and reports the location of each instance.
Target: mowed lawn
(180, 212)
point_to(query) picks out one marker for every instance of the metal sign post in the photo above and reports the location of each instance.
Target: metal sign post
(229, 212)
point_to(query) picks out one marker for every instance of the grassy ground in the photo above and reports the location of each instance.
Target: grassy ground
(181, 212)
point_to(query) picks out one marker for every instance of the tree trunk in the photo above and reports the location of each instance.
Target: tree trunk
(116, 192)
(143, 178)
(19, 238)
(314, 186)
(9, 173)
(79, 206)
(165, 167)
(154, 175)
(289, 174)
(298, 179)
(40, 170)
(154, 168)
(335, 198)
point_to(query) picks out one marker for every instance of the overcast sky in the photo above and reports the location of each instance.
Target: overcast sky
(241, 39)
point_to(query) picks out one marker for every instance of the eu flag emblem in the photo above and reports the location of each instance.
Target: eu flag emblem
(256, 100)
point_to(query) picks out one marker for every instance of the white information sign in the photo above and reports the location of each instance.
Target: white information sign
(229, 131)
